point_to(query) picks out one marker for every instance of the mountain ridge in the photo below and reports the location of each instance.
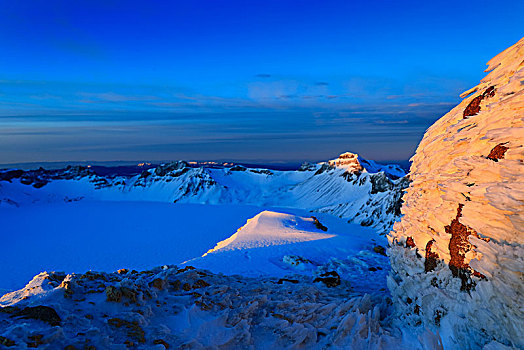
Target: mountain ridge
(368, 198)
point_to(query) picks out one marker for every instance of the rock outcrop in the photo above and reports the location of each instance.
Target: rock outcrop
(457, 255)
(348, 161)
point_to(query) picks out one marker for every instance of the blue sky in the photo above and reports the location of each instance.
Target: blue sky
(258, 81)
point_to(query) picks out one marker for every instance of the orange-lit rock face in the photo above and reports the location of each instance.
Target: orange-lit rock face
(458, 252)
(349, 161)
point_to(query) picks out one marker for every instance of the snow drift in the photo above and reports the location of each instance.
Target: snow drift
(457, 255)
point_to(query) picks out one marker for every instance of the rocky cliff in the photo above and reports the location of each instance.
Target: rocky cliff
(458, 253)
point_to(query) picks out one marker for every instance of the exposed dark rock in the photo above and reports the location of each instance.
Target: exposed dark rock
(307, 167)
(41, 177)
(473, 107)
(11, 174)
(318, 224)
(35, 340)
(158, 283)
(161, 341)
(323, 168)
(133, 329)
(348, 176)
(380, 250)
(200, 283)
(380, 183)
(282, 280)
(173, 168)
(238, 168)
(6, 342)
(129, 293)
(261, 171)
(55, 278)
(431, 258)
(459, 246)
(416, 310)
(113, 294)
(367, 222)
(330, 279)
(187, 268)
(145, 174)
(497, 152)
(92, 276)
(410, 243)
(438, 316)
(43, 313)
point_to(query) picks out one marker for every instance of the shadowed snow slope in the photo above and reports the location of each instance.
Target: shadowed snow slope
(106, 236)
(457, 256)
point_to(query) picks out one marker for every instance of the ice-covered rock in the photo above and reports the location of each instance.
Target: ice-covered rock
(457, 255)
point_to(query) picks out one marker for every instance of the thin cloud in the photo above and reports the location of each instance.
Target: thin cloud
(114, 97)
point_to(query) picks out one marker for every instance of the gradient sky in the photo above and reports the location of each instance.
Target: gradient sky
(258, 81)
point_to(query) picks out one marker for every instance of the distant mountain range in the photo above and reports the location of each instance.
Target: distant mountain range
(349, 187)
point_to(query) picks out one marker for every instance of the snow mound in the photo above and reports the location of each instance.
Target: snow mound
(291, 246)
(457, 255)
(271, 228)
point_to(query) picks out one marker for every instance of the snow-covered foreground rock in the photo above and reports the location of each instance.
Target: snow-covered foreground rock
(458, 254)
(191, 309)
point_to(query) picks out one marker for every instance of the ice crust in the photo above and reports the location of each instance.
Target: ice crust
(453, 171)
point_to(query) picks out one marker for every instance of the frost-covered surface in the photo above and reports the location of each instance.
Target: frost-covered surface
(367, 198)
(457, 256)
(192, 309)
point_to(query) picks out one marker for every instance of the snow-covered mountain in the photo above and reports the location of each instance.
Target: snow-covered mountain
(457, 256)
(349, 187)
